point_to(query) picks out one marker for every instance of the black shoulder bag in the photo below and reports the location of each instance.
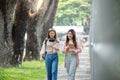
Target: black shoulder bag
(44, 55)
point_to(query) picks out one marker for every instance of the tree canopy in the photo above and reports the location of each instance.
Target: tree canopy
(72, 12)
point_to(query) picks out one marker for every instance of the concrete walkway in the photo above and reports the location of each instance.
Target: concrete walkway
(83, 71)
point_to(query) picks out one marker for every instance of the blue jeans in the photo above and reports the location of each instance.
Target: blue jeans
(71, 66)
(51, 61)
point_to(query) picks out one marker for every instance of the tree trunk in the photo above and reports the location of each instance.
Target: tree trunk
(39, 24)
(19, 29)
(7, 8)
(12, 36)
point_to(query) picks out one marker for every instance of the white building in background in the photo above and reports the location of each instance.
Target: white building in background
(64, 29)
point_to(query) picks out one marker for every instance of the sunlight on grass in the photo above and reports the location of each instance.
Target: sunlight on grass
(61, 58)
(32, 70)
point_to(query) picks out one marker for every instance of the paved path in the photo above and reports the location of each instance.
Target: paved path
(83, 71)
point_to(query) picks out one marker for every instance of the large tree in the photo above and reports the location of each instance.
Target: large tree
(40, 21)
(19, 29)
(7, 8)
(18, 17)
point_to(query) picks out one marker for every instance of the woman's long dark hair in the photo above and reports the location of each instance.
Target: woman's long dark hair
(74, 38)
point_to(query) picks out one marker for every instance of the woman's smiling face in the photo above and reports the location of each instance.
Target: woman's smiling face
(70, 35)
(52, 34)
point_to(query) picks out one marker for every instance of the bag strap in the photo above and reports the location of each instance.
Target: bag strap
(45, 43)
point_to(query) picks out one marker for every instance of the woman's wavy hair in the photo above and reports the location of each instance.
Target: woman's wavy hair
(49, 30)
(74, 37)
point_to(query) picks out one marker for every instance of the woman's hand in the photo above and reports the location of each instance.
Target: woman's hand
(50, 45)
(41, 59)
(72, 50)
(67, 47)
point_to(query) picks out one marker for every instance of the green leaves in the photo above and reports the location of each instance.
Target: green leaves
(71, 12)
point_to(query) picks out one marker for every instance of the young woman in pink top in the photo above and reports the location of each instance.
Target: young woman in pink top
(71, 49)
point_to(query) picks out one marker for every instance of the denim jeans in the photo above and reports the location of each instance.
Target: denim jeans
(51, 61)
(71, 66)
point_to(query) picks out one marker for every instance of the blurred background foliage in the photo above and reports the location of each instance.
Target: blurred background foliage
(72, 12)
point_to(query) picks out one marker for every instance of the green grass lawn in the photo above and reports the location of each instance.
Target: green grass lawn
(32, 70)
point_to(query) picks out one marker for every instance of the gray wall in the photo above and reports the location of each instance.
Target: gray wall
(105, 40)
